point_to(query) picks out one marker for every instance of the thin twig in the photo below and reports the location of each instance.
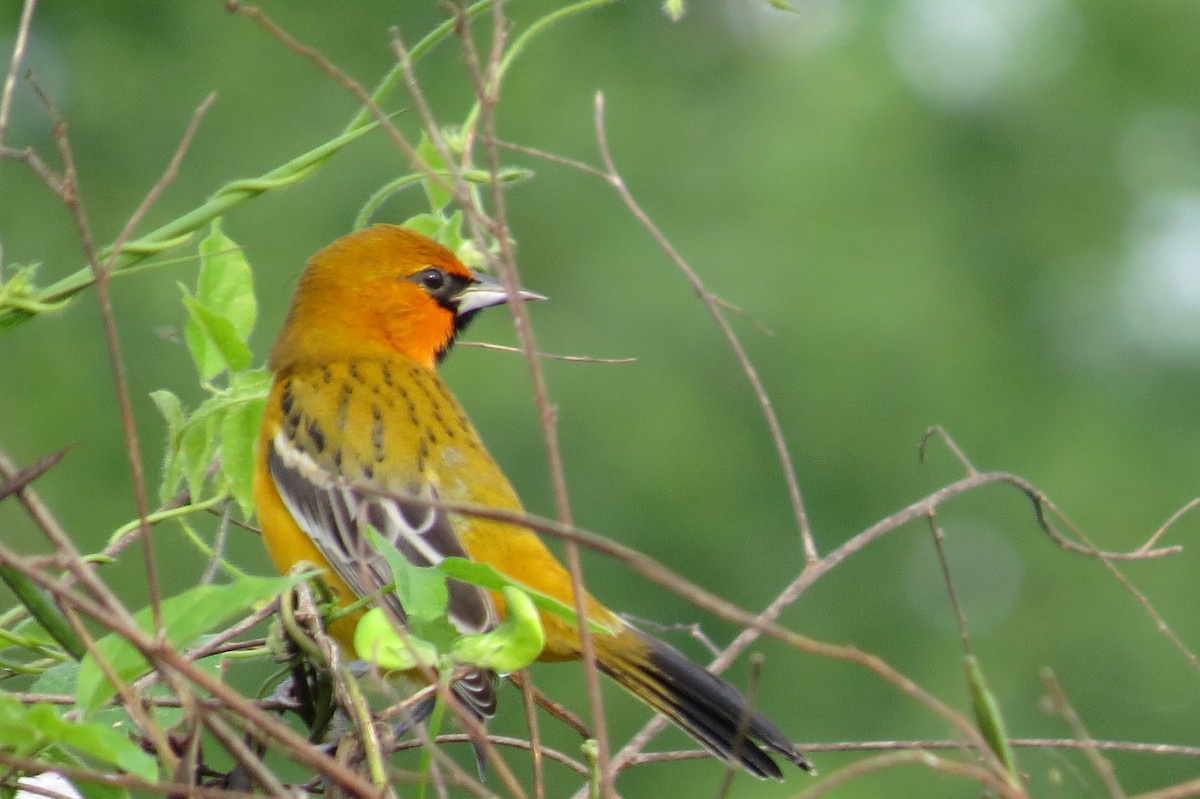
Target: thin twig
(546, 355)
(537, 753)
(937, 431)
(16, 482)
(103, 274)
(939, 545)
(733, 765)
(128, 782)
(891, 760)
(556, 710)
(244, 756)
(162, 656)
(759, 624)
(20, 42)
(1100, 764)
(487, 93)
(501, 740)
(787, 466)
(160, 185)
(1181, 790)
(1168, 524)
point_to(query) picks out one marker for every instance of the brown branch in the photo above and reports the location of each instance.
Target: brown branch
(1179, 791)
(20, 42)
(871, 765)
(758, 624)
(163, 657)
(1100, 764)
(487, 84)
(787, 466)
(1168, 524)
(167, 178)
(500, 740)
(103, 275)
(15, 483)
(124, 781)
(546, 355)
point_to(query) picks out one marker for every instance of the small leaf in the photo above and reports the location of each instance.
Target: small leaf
(226, 283)
(378, 642)
(987, 714)
(172, 471)
(450, 236)
(507, 175)
(104, 744)
(204, 353)
(421, 590)
(425, 224)
(197, 448)
(511, 645)
(226, 350)
(58, 679)
(222, 312)
(239, 428)
(29, 727)
(170, 407)
(185, 617)
(251, 383)
(486, 576)
(438, 196)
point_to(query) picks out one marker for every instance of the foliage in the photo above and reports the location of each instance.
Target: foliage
(928, 244)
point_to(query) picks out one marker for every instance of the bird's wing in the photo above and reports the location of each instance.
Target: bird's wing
(335, 514)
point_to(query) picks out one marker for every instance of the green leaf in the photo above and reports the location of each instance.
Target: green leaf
(438, 196)
(511, 645)
(101, 743)
(204, 353)
(58, 679)
(507, 175)
(988, 716)
(222, 347)
(170, 407)
(30, 727)
(226, 283)
(451, 236)
(251, 383)
(185, 618)
(425, 224)
(486, 576)
(42, 609)
(239, 428)
(378, 642)
(173, 412)
(197, 448)
(421, 590)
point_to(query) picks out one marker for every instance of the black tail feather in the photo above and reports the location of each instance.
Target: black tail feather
(701, 704)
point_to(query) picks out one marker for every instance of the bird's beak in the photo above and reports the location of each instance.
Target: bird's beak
(485, 292)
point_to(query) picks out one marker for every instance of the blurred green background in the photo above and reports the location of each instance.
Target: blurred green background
(983, 214)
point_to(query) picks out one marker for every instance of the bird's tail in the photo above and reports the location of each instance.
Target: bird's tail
(700, 703)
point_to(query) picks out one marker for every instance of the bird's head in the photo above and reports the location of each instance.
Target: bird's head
(385, 288)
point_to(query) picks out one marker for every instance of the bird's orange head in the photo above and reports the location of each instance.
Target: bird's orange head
(385, 289)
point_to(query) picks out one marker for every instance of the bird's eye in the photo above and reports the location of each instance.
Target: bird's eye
(432, 279)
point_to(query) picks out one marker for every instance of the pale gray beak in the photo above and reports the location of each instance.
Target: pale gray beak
(485, 292)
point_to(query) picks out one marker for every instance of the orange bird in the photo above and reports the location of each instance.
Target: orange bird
(358, 418)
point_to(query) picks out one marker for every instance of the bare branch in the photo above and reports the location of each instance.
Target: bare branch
(14, 65)
(546, 355)
(714, 306)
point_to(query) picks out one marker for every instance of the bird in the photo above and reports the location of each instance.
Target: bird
(360, 431)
